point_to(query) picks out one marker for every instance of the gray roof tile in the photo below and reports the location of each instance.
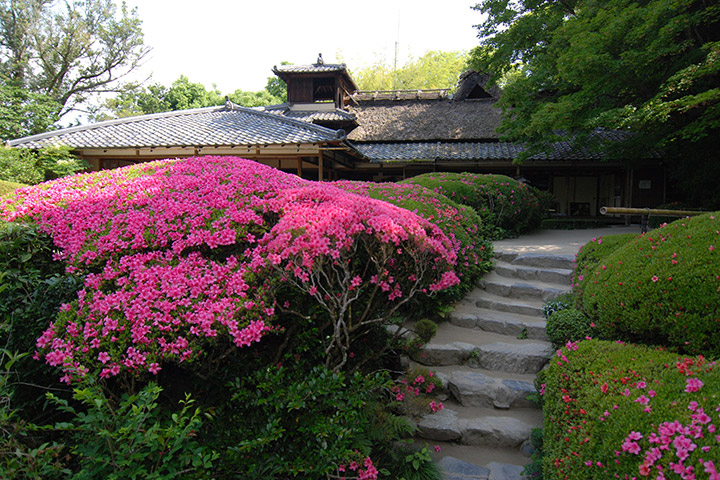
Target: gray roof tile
(315, 68)
(479, 150)
(211, 126)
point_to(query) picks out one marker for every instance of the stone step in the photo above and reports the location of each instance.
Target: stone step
(476, 462)
(478, 387)
(455, 469)
(559, 276)
(486, 427)
(521, 290)
(506, 323)
(486, 300)
(483, 349)
(542, 260)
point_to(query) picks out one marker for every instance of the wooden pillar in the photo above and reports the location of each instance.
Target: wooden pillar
(299, 167)
(320, 168)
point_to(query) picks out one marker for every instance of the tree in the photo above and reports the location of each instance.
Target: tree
(181, 95)
(648, 67)
(64, 52)
(433, 70)
(26, 166)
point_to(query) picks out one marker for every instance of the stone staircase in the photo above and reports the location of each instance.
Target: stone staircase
(488, 355)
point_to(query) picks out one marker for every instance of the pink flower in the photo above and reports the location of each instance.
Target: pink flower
(693, 385)
(655, 278)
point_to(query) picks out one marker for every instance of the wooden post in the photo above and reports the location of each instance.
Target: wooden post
(320, 168)
(299, 167)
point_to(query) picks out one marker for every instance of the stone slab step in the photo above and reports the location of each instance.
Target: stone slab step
(559, 276)
(455, 469)
(529, 357)
(477, 389)
(454, 345)
(521, 290)
(491, 429)
(544, 260)
(506, 323)
(489, 301)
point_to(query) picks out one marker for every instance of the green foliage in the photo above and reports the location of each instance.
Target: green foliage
(62, 54)
(533, 470)
(425, 329)
(20, 166)
(23, 112)
(435, 69)
(22, 455)
(9, 187)
(33, 285)
(576, 66)
(599, 392)
(661, 288)
(506, 206)
(30, 167)
(563, 302)
(568, 325)
(294, 422)
(183, 94)
(134, 438)
(590, 256)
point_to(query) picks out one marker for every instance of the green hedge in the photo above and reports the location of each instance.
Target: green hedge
(660, 288)
(621, 411)
(592, 254)
(7, 187)
(506, 206)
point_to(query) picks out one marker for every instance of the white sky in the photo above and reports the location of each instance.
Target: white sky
(235, 44)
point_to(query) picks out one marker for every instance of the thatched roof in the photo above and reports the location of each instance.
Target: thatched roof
(415, 120)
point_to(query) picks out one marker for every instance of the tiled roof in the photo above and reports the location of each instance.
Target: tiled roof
(337, 115)
(315, 68)
(211, 126)
(473, 151)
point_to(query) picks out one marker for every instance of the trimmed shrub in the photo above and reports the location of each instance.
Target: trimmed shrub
(506, 206)
(592, 254)
(568, 325)
(621, 411)
(9, 187)
(459, 223)
(661, 288)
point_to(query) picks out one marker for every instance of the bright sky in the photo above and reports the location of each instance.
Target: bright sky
(235, 44)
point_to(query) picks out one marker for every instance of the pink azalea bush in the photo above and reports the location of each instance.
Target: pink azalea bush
(621, 411)
(461, 224)
(179, 255)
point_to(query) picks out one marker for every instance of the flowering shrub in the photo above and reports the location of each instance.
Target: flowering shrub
(660, 288)
(620, 411)
(506, 206)
(566, 325)
(460, 223)
(179, 255)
